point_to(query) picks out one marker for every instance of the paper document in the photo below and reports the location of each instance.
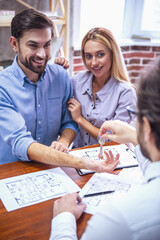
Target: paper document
(101, 182)
(28, 189)
(133, 174)
(127, 157)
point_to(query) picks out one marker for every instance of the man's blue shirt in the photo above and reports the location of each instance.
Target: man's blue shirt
(32, 111)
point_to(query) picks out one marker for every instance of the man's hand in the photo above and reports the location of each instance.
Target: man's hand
(72, 203)
(122, 132)
(62, 61)
(59, 146)
(107, 165)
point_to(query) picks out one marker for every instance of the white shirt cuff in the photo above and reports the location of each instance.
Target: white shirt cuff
(64, 226)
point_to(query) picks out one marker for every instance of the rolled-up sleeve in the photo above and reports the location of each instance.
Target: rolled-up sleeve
(13, 130)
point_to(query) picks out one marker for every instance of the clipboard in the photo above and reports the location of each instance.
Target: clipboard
(127, 156)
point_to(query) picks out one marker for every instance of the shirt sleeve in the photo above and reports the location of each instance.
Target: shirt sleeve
(13, 129)
(127, 98)
(63, 227)
(108, 223)
(67, 121)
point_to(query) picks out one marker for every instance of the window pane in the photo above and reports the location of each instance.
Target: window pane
(151, 15)
(102, 13)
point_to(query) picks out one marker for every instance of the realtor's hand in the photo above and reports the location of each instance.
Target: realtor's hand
(122, 132)
(72, 203)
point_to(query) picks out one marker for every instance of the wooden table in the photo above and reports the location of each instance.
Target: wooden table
(34, 222)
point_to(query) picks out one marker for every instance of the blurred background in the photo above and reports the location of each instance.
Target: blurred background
(135, 23)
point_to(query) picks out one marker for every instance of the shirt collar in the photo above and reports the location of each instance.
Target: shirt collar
(87, 87)
(107, 89)
(21, 75)
(152, 171)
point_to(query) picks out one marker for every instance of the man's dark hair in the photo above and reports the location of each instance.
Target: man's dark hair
(30, 19)
(149, 98)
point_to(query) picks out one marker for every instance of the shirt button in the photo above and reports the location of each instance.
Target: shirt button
(86, 133)
(39, 122)
(87, 115)
(39, 105)
(85, 143)
(38, 138)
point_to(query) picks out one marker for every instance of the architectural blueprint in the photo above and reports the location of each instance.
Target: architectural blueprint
(127, 157)
(32, 188)
(101, 182)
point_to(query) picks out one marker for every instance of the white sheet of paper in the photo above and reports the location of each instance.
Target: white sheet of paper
(127, 157)
(133, 174)
(32, 188)
(101, 182)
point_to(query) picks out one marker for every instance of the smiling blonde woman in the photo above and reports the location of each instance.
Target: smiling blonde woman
(103, 91)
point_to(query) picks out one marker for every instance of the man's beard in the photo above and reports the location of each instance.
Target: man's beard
(28, 63)
(142, 142)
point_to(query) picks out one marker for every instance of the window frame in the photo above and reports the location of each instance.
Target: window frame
(133, 13)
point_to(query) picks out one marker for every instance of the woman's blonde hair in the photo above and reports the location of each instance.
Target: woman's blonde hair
(105, 36)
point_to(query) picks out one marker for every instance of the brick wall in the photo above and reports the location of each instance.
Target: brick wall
(135, 57)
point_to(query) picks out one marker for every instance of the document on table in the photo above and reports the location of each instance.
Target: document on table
(32, 188)
(101, 182)
(127, 157)
(134, 174)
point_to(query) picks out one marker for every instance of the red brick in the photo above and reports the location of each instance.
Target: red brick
(156, 49)
(133, 80)
(141, 48)
(135, 74)
(139, 54)
(125, 48)
(143, 54)
(77, 53)
(134, 67)
(134, 60)
(78, 68)
(127, 55)
(146, 61)
(77, 60)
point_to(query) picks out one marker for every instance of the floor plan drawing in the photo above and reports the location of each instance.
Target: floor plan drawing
(101, 183)
(127, 157)
(31, 188)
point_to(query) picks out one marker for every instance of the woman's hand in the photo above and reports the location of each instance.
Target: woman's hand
(75, 108)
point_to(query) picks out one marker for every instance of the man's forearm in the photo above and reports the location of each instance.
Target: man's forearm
(41, 153)
(67, 136)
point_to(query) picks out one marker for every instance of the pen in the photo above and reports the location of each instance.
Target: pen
(98, 193)
(131, 152)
